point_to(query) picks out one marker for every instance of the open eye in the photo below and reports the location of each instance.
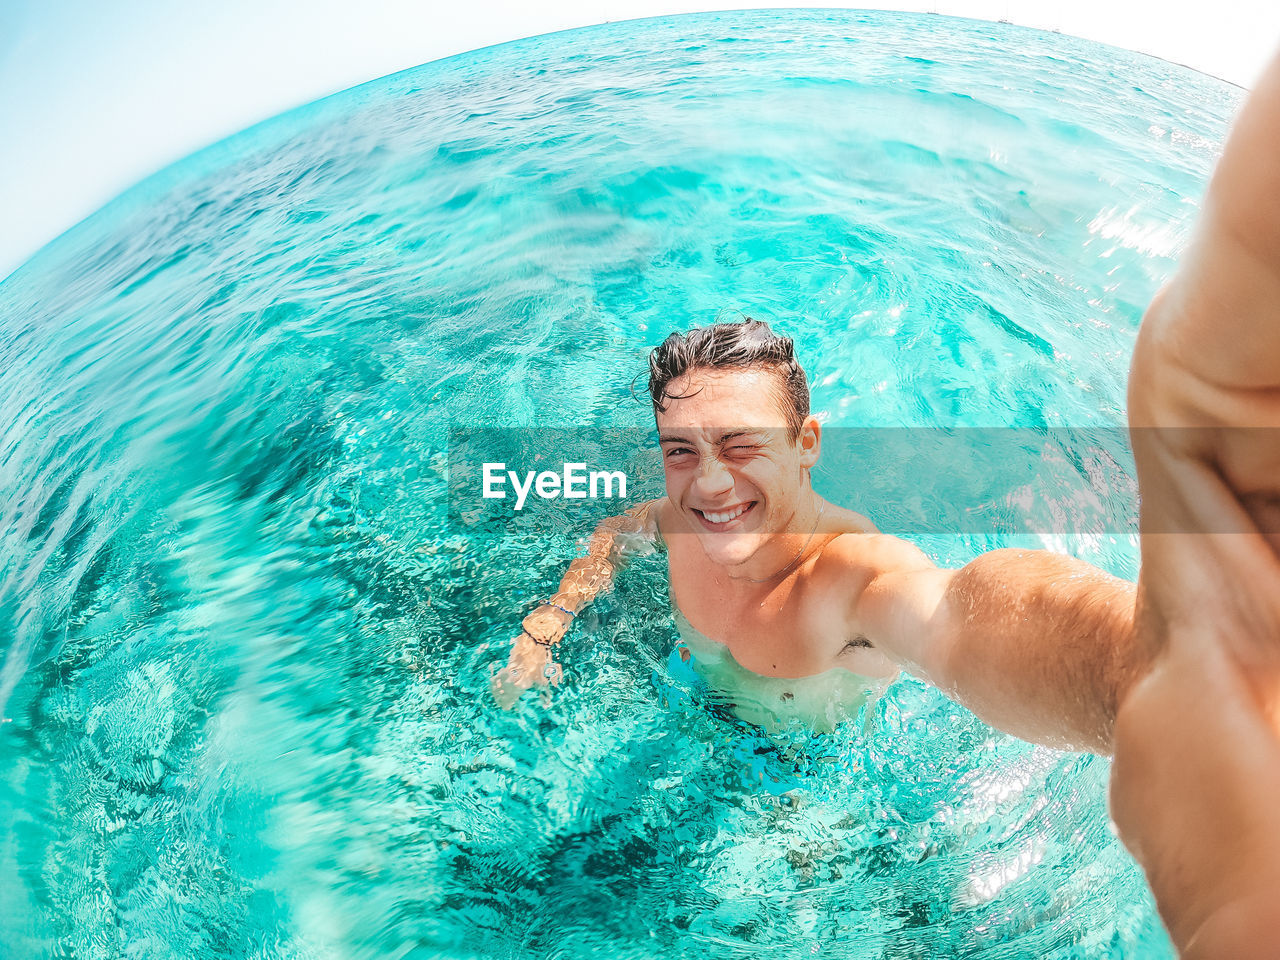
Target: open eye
(677, 453)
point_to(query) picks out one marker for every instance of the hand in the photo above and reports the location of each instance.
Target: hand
(531, 663)
(547, 624)
(1197, 737)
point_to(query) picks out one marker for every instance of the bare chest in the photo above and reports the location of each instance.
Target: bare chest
(783, 629)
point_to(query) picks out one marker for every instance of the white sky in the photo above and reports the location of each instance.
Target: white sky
(95, 96)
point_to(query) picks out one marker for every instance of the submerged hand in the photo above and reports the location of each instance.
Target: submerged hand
(530, 664)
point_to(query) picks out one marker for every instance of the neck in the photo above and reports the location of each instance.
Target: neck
(786, 551)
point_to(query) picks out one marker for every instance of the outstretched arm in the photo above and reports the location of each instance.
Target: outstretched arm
(586, 578)
(1037, 644)
(1189, 697)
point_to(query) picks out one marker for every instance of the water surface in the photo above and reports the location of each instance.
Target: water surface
(245, 653)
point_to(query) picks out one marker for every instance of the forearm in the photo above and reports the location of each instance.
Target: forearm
(586, 578)
(1038, 644)
(591, 575)
(530, 661)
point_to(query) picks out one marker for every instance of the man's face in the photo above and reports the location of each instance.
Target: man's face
(732, 469)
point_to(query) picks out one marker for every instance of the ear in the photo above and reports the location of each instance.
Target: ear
(809, 441)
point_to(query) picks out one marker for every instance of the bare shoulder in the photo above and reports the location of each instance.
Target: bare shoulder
(637, 529)
(852, 561)
(840, 520)
(649, 518)
(656, 515)
(873, 553)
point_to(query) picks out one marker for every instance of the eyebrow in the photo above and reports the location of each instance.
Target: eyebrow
(724, 437)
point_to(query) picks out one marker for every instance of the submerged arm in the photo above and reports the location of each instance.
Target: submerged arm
(587, 577)
(1037, 644)
(592, 574)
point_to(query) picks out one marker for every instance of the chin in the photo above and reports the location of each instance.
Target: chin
(729, 551)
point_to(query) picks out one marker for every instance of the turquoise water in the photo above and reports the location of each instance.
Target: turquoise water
(245, 653)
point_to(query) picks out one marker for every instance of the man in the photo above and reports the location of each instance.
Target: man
(1186, 692)
(794, 586)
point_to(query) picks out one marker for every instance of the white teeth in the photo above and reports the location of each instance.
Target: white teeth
(726, 517)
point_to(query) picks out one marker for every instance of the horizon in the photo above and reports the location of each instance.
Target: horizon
(98, 100)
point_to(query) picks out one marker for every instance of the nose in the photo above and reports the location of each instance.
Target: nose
(713, 479)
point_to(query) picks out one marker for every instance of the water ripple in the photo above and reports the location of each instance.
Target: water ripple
(245, 654)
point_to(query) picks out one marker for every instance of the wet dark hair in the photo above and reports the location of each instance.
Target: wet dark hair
(731, 346)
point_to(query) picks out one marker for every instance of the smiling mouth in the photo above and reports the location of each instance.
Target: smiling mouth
(722, 519)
